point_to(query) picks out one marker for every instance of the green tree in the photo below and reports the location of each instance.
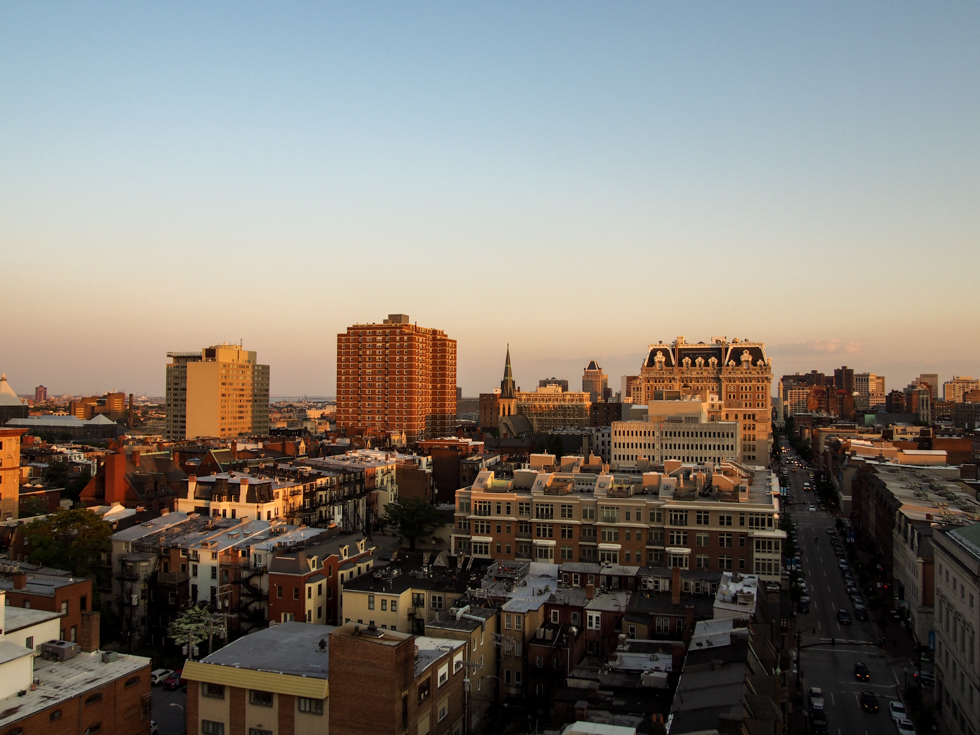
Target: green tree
(412, 519)
(192, 626)
(71, 539)
(34, 506)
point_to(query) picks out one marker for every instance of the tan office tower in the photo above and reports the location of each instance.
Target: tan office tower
(738, 372)
(397, 376)
(220, 391)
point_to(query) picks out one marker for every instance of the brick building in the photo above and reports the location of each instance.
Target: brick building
(136, 478)
(392, 683)
(53, 590)
(10, 472)
(396, 377)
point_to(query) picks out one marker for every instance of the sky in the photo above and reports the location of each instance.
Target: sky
(578, 180)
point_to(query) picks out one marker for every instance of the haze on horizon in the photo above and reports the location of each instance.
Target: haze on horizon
(575, 180)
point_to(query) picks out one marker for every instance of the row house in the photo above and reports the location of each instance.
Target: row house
(330, 496)
(32, 587)
(708, 517)
(237, 495)
(403, 595)
(304, 582)
(135, 478)
(376, 471)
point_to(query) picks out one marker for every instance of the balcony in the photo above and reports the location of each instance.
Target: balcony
(172, 579)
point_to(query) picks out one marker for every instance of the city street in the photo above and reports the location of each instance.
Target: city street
(168, 710)
(829, 664)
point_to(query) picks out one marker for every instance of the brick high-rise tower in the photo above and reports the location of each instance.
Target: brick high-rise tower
(397, 376)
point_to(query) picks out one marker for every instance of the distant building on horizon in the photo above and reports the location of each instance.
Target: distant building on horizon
(40, 394)
(955, 390)
(220, 391)
(397, 377)
(560, 382)
(595, 382)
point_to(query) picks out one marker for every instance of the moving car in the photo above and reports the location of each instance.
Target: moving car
(812, 509)
(158, 676)
(843, 617)
(869, 702)
(897, 710)
(861, 672)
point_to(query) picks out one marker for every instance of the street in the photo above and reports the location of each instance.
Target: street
(168, 710)
(835, 648)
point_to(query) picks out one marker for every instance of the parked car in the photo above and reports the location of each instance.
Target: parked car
(803, 606)
(897, 711)
(175, 680)
(812, 509)
(860, 612)
(905, 727)
(925, 678)
(861, 672)
(830, 530)
(843, 617)
(816, 696)
(158, 676)
(869, 702)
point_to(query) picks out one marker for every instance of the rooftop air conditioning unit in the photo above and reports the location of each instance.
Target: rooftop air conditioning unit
(59, 650)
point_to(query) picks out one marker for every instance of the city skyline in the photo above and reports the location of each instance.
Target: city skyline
(180, 176)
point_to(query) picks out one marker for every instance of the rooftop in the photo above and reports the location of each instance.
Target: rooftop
(288, 648)
(432, 649)
(59, 682)
(16, 618)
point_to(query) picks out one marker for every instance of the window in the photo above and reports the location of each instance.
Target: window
(310, 706)
(257, 731)
(394, 605)
(518, 622)
(214, 572)
(384, 605)
(209, 727)
(443, 710)
(435, 602)
(92, 699)
(724, 540)
(702, 518)
(131, 682)
(55, 716)
(97, 727)
(593, 620)
(295, 593)
(545, 511)
(29, 642)
(566, 532)
(678, 538)
(418, 599)
(215, 691)
(425, 689)
(370, 602)
(443, 675)
(260, 698)
(64, 608)
(567, 511)
(702, 539)
(678, 518)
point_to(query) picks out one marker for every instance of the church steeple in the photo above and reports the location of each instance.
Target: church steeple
(507, 384)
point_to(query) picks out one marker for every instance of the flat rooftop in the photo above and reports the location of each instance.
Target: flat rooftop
(60, 682)
(16, 618)
(289, 648)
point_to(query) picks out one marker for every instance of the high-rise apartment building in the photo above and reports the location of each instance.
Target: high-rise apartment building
(10, 472)
(737, 371)
(220, 391)
(397, 377)
(560, 382)
(956, 389)
(594, 382)
(40, 394)
(869, 390)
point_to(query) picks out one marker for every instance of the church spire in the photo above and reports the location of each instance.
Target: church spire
(507, 384)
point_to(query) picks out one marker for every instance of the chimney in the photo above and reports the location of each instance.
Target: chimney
(589, 591)
(20, 581)
(130, 410)
(115, 478)
(582, 710)
(136, 457)
(88, 636)
(675, 587)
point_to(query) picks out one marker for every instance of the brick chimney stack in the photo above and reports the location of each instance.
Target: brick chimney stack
(89, 635)
(675, 587)
(589, 591)
(20, 581)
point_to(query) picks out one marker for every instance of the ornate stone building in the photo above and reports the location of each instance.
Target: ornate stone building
(738, 371)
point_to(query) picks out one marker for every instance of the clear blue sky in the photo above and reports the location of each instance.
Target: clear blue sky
(577, 179)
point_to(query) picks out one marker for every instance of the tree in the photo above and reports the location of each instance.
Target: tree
(194, 625)
(71, 539)
(412, 519)
(35, 505)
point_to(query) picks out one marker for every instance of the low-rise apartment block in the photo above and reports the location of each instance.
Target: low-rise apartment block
(709, 517)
